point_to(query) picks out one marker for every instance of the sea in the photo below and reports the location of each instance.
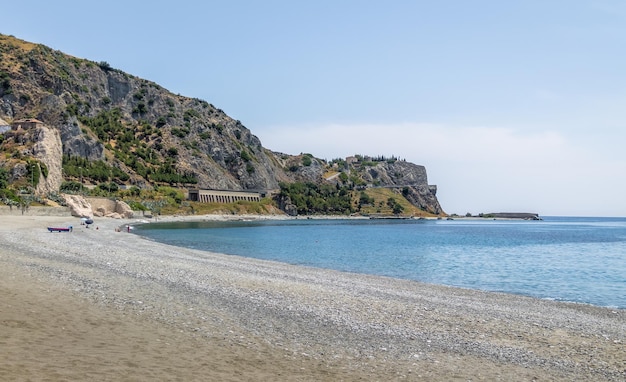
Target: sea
(575, 259)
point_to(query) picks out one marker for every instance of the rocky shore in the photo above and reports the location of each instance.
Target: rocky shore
(101, 304)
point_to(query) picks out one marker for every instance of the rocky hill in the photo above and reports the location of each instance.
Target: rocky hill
(144, 134)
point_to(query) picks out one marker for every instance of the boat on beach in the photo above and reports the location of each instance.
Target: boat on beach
(60, 229)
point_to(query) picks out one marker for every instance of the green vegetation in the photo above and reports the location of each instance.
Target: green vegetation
(128, 145)
(94, 171)
(72, 187)
(4, 178)
(365, 200)
(104, 66)
(161, 121)
(307, 160)
(189, 114)
(180, 132)
(396, 207)
(245, 155)
(19, 195)
(5, 83)
(140, 109)
(34, 172)
(310, 198)
(107, 125)
(168, 174)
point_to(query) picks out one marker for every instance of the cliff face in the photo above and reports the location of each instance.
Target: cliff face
(93, 111)
(47, 149)
(408, 177)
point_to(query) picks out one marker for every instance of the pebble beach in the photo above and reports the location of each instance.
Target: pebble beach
(104, 304)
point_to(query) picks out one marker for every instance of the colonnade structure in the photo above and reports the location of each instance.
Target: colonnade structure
(224, 196)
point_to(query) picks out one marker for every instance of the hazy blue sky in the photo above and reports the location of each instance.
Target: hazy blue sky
(510, 105)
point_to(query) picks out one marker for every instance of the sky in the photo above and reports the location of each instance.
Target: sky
(512, 106)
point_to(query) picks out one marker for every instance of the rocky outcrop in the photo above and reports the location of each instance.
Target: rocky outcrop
(123, 210)
(79, 206)
(423, 197)
(105, 207)
(408, 177)
(285, 204)
(97, 207)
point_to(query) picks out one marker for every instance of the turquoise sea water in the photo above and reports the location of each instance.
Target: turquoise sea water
(562, 258)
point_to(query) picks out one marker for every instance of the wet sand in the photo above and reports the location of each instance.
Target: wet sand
(110, 306)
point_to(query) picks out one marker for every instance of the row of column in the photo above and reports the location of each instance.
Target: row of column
(209, 198)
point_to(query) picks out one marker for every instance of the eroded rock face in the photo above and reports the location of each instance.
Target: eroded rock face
(48, 150)
(78, 144)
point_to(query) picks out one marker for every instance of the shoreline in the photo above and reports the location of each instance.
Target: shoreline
(259, 217)
(235, 318)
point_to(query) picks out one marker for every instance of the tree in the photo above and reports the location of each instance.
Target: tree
(397, 209)
(312, 198)
(4, 178)
(104, 66)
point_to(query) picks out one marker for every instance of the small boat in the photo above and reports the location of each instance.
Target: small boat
(60, 229)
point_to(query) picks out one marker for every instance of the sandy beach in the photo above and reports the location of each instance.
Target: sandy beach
(102, 305)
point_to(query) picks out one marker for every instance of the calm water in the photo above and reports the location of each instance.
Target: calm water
(569, 259)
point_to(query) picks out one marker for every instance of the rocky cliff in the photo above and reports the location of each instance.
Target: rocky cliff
(105, 114)
(92, 111)
(47, 149)
(409, 178)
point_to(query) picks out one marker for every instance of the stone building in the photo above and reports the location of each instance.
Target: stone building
(223, 196)
(26, 124)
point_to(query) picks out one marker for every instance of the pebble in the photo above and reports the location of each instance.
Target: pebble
(320, 313)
